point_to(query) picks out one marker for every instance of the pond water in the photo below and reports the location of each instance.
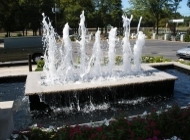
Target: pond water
(14, 90)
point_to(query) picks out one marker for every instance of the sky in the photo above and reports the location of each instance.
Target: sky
(183, 10)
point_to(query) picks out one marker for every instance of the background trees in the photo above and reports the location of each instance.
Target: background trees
(26, 14)
(155, 10)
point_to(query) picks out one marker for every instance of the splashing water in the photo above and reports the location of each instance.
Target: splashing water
(127, 52)
(66, 69)
(59, 65)
(111, 51)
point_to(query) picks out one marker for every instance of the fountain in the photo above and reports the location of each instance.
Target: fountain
(91, 80)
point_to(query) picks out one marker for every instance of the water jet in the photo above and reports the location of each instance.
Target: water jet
(90, 81)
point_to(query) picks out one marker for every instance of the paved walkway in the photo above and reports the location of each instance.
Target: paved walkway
(6, 71)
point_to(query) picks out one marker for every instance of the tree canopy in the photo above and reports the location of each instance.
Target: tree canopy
(154, 10)
(27, 14)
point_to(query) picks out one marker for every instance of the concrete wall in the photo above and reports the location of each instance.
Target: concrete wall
(6, 119)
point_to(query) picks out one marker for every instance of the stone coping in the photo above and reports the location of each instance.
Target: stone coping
(33, 84)
(6, 104)
(6, 119)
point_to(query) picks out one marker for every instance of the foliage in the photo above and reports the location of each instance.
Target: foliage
(151, 59)
(118, 60)
(188, 31)
(72, 38)
(105, 60)
(21, 15)
(182, 61)
(152, 10)
(177, 37)
(157, 12)
(40, 65)
(156, 125)
(186, 38)
(148, 33)
(19, 34)
(145, 59)
(169, 37)
(78, 60)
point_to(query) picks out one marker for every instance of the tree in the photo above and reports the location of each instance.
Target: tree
(188, 3)
(72, 10)
(116, 13)
(153, 10)
(174, 6)
(8, 9)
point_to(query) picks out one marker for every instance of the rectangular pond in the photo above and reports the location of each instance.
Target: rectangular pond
(13, 89)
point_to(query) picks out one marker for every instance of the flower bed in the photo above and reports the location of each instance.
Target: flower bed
(154, 126)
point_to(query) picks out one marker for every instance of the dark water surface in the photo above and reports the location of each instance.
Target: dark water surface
(92, 112)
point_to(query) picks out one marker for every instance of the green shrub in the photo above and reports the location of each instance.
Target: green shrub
(182, 61)
(177, 37)
(149, 37)
(148, 33)
(78, 60)
(19, 34)
(169, 37)
(155, 126)
(152, 59)
(105, 60)
(186, 38)
(118, 60)
(40, 65)
(72, 38)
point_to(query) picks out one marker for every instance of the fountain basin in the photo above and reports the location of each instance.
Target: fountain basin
(156, 83)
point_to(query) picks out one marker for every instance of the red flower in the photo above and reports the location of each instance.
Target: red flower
(132, 135)
(92, 136)
(121, 127)
(152, 124)
(99, 129)
(153, 110)
(134, 118)
(156, 132)
(129, 130)
(147, 127)
(129, 123)
(103, 137)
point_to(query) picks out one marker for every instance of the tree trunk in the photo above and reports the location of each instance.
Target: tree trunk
(7, 33)
(157, 24)
(26, 32)
(106, 29)
(40, 32)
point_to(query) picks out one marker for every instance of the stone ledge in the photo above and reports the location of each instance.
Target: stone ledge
(33, 85)
(6, 119)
